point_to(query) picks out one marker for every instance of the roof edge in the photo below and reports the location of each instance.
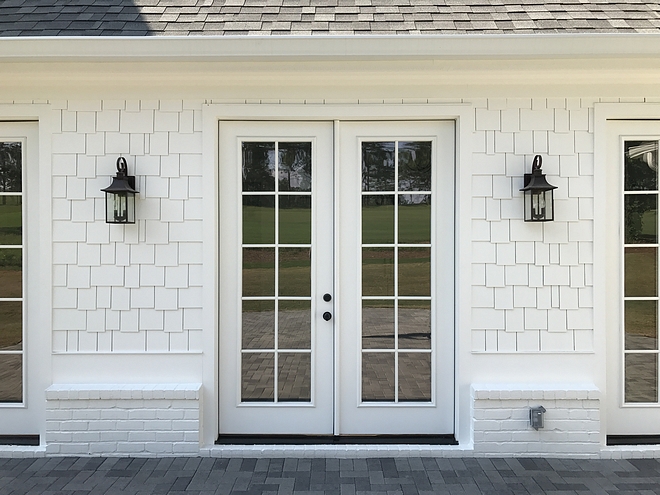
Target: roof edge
(239, 48)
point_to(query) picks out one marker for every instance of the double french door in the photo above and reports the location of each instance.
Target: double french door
(336, 278)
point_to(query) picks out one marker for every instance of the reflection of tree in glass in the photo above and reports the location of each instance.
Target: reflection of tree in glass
(10, 168)
(415, 166)
(641, 165)
(641, 218)
(295, 166)
(378, 166)
(258, 166)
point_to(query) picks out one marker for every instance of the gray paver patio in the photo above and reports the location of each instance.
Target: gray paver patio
(404, 476)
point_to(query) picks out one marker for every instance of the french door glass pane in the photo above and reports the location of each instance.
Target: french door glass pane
(11, 327)
(396, 271)
(11, 377)
(277, 276)
(11, 273)
(640, 324)
(11, 220)
(11, 161)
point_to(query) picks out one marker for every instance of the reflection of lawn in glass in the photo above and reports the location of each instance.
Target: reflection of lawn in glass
(259, 278)
(640, 272)
(641, 324)
(10, 220)
(414, 224)
(11, 324)
(259, 226)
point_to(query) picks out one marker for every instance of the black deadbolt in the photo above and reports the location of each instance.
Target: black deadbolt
(327, 297)
(327, 316)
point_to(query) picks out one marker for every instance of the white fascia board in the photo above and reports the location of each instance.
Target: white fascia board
(364, 47)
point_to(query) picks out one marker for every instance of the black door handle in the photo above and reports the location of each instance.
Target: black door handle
(327, 316)
(327, 297)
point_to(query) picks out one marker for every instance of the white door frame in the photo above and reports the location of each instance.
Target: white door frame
(462, 114)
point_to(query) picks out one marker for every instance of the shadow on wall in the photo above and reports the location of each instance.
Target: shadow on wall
(72, 18)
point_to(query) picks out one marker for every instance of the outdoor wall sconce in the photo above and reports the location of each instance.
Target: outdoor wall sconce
(120, 196)
(538, 195)
(536, 417)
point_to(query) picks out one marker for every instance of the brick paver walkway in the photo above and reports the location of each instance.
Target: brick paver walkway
(410, 476)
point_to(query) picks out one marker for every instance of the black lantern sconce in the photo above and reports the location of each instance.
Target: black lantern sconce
(120, 196)
(538, 195)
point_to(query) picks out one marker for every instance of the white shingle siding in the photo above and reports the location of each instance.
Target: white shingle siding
(126, 279)
(538, 272)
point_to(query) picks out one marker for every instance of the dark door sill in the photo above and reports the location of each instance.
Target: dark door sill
(633, 439)
(227, 439)
(22, 440)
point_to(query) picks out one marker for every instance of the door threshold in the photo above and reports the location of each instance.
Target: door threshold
(232, 439)
(633, 440)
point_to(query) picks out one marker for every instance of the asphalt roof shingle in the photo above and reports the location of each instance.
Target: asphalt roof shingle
(323, 17)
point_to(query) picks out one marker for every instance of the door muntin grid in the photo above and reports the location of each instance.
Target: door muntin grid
(12, 258)
(640, 272)
(396, 364)
(277, 328)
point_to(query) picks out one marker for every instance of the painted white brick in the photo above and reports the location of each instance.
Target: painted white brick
(524, 297)
(489, 319)
(535, 120)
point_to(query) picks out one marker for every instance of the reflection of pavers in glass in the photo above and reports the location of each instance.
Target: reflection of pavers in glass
(11, 377)
(641, 377)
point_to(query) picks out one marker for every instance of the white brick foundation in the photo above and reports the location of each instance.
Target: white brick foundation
(500, 418)
(160, 419)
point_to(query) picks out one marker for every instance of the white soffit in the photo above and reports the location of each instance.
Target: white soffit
(318, 48)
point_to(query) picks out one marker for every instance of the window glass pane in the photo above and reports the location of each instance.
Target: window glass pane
(378, 376)
(11, 273)
(295, 166)
(377, 271)
(258, 325)
(641, 382)
(414, 324)
(11, 378)
(414, 165)
(641, 165)
(295, 272)
(378, 219)
(294, 379)
(415, 218)
(378, 324)
(11, 220)
(258, 271)
(11, 325)
(259, 219)
(641, 278)
(641, 325)
(258, 166)
(295, 219)
(10, 167)
(294, 325)
(641, 218)
(414, 271)
(414, 377)
(378, 166)
(258, 377)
